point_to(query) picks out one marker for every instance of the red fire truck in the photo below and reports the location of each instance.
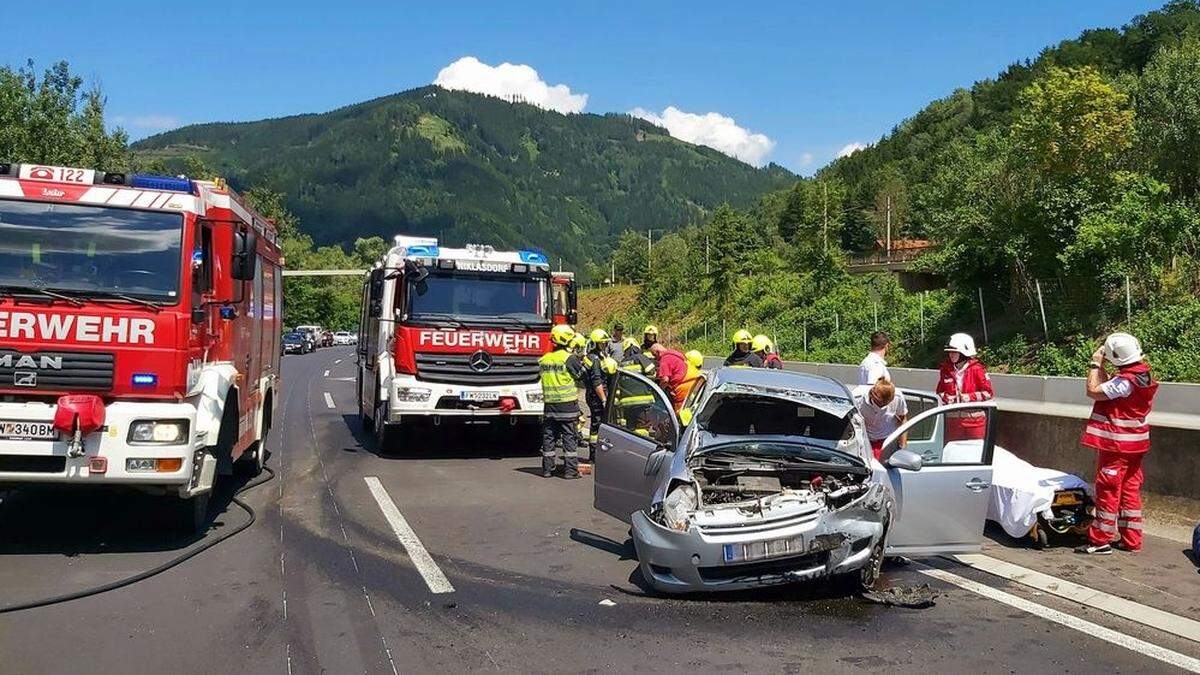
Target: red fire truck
(455, 334)
(139, 332)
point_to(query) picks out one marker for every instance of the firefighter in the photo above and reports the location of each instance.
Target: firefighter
(579, 349)
(1120, 435)
(962, 378)
(635, 360)
(599, 368)
(649, 338)
(743, 355)
(560, 371)
(762, 346)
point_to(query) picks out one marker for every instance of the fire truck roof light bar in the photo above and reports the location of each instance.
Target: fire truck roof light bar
(533, 257)
(422, 251)
(153, 182)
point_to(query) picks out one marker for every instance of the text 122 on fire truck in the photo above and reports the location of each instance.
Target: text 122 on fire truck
(139, 332)
(454, 334)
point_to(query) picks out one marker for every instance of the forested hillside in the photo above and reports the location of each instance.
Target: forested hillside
(1060, 197)
(471, 168)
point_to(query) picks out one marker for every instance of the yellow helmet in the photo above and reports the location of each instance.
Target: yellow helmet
(609, 365)
(562, 334)
(695, 358)
(630, 343)
(741, 336)
(761, 343)
(650, 330)
(599, 335)
(578, 342)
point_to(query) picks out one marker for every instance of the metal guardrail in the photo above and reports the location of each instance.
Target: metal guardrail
(324, 273)
(1176, 406)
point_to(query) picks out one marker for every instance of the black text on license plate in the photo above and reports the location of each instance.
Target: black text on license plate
(17, 430)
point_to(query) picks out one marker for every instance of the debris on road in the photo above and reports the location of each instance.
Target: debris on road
(607, 603)
(912, 597)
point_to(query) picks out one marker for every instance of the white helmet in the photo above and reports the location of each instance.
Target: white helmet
(962, 343)
(1122, 349)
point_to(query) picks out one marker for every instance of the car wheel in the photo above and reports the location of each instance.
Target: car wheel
(869, 574)
(384, 434)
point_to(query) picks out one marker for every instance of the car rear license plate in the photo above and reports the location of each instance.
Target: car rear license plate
(19, 430)
(479, 396)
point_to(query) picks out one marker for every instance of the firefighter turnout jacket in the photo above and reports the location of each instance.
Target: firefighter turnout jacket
(560, 371)
(740, 359)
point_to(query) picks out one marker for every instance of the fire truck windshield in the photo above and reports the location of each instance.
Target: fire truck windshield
(90, 249)
(476, 298)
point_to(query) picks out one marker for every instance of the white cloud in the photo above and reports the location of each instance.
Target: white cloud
(714, 130)
(851, 148)
(806, 159)
(148, 123)
(509, 81)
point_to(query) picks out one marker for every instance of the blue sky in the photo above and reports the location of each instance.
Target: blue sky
(810, 77)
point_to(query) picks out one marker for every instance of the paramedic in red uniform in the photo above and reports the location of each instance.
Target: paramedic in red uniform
(672, 373)
(963, 379)
(1120, 435)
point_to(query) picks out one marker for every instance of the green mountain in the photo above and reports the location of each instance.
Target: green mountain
(471, 168)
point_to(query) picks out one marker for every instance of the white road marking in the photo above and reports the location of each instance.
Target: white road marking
(337, 362)
(328, 400)
(434, 578)
(1106, 602)
(326, 374)
(1119, 639)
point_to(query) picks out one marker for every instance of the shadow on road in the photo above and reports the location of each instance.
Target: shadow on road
(449, 441)
(72, 521)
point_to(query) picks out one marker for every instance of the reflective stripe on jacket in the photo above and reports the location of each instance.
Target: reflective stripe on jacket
(976, 388)
(1119, 424)
(558, 385)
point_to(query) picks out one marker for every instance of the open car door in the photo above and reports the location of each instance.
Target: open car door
(941, 501)
(637, 435)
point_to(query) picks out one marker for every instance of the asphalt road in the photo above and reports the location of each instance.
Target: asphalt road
(322, 582)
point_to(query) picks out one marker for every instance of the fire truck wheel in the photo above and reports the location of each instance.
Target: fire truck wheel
(383, 432)
(191, 515)
(251, 463)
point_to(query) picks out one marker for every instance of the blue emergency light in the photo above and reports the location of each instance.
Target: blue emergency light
(145, 379)
(152, 182)
(422, 251)
(533, 257)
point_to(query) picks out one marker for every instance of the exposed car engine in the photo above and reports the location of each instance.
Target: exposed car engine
(728, 481)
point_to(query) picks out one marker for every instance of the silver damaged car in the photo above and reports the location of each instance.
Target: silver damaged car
(766, 477)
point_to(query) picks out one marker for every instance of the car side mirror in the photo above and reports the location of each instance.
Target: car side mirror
(905, 459)
(244, 260)
(376, 309)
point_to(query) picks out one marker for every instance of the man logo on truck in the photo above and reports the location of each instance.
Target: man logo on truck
(28, 361)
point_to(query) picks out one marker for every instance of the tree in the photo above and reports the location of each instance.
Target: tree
(731, 239)
(1169, 115)
(630, 257)
(53, 120)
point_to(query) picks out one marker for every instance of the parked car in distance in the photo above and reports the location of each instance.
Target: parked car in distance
(326, 337)
(315, 334)
(767, 477)
(344, 337)
(297, 342)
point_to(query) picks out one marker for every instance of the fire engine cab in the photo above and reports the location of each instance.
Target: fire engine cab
(455, 334)
(139, 332)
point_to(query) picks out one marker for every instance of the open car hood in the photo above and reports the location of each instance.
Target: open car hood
(831, 405)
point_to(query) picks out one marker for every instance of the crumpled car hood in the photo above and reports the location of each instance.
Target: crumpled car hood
(831, 405)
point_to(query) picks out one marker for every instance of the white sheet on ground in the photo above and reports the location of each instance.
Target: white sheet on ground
(1021, 490)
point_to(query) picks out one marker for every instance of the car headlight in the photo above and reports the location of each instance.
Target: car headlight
(675, 510)
(158, 432)
(412, 394)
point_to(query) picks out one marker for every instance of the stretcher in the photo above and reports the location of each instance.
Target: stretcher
(1030, 501)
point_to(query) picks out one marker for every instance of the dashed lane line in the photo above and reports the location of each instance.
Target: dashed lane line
(429, 570)
(328, 400)
(326, 374)
(1097, 631)
(1105, 602)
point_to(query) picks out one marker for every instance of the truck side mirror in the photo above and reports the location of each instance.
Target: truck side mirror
(244, 262)
(573, 316)
(376, 309)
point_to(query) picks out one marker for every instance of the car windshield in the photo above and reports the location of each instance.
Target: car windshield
(82, 249)
(784, 451)
(480, 298)
(293, 337)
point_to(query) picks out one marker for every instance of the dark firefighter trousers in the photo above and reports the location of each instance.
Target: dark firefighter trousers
(566, 433)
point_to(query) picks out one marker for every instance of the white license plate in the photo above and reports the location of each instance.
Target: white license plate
(762, 550)
(479, 396)
(17, 430)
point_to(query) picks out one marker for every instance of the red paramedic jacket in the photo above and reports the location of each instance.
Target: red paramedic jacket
(976, 387)
(1119, 424)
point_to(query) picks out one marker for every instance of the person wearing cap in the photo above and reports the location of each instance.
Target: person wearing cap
(599, 368)
(616, 347)
(672, 372)
(765, 349)
(1119, 432)
(882, 412)
(743, 355)
(874, 364)
(962, 378)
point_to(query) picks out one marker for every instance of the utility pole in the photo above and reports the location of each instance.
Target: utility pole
(650, 249)
(706, 255)
(612, 276)
(889, 227)
(825, 216)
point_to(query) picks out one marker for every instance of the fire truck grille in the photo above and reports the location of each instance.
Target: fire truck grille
(55, 371)
(458, 369)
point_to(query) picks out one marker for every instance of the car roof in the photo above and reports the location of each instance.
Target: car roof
(790, 379)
